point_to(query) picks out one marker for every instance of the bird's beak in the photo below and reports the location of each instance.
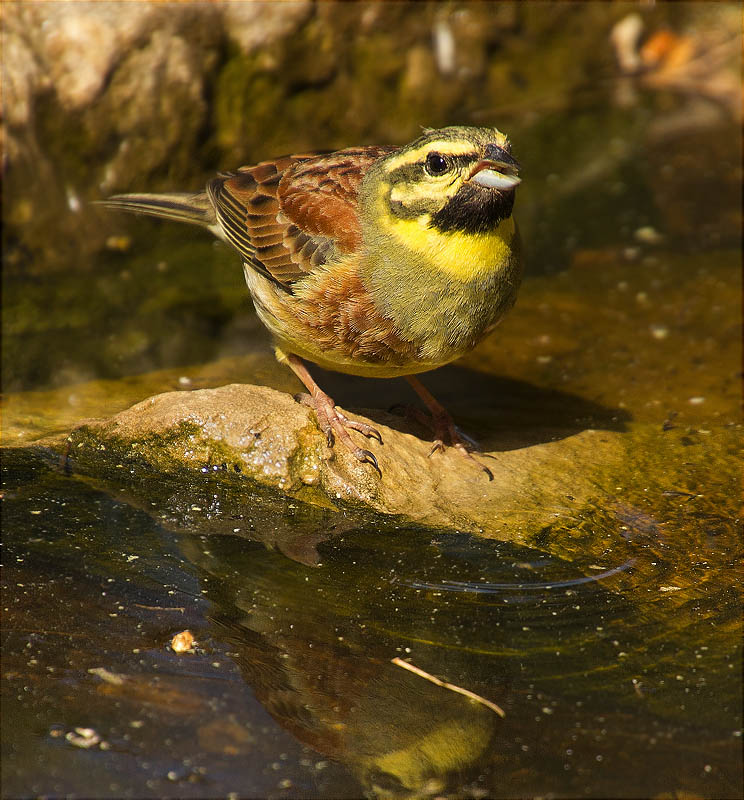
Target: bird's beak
(497, 170)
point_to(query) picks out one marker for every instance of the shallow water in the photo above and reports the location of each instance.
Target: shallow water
(614, 680)
(611, 644)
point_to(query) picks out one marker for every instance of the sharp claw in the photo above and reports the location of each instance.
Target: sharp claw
(365, 455)
(362, 427)
(437, 445)
(329, 437)
(464, 450)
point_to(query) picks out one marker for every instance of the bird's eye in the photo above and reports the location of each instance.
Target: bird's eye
(436, 164)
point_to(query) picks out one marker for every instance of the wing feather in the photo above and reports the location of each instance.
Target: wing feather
(290, 216)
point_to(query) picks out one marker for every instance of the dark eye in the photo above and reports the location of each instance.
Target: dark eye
(436, 164)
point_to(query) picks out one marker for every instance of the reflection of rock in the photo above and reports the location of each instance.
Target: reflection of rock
(265, 435)
(567, 660)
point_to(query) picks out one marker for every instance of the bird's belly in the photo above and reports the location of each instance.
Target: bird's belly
(338, 361)
(340, 327)
(336, 324)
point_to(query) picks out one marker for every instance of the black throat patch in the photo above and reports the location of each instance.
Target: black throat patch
(474, 209)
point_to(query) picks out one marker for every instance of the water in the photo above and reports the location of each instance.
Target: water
(610, 639)
(608, 688)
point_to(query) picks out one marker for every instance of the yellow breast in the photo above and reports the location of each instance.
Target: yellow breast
(463, 256)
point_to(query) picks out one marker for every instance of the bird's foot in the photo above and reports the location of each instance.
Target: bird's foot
(446, 433)
(336, 425)
(443, 427)
(332, 422)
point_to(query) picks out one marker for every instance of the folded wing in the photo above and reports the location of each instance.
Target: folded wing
(289, 216)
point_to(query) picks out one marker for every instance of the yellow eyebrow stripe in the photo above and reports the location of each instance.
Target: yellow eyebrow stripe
(448, 147)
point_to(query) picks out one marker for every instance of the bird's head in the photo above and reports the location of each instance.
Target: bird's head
(451, 180)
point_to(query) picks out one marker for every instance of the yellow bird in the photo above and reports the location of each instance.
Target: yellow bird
(373, 261)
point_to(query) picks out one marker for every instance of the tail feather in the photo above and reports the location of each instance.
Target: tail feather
(183, 207)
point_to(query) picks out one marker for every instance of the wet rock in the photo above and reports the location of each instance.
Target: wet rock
(264, 435)
(99, 93)
(254, 25)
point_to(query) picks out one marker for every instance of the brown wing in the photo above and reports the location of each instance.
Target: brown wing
(287, 217)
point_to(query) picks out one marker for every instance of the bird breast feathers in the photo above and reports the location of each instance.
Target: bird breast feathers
(461, 255)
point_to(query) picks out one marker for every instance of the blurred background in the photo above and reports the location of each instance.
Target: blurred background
(625, 118)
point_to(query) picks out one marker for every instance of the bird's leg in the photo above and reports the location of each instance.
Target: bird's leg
(443, 425)
(332, 422)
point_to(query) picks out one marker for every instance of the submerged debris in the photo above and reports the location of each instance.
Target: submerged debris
(451, 686)
(83, 737)
(183, 642)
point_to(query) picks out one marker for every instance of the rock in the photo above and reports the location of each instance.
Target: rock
(100, 93)
(253, 25)
(266, 436)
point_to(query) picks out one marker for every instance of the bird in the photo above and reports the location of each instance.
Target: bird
(375, 261)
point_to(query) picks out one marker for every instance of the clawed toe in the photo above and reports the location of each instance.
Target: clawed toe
(464, 450)
(444, 428)
(362, 427)
(438, 444)
(334, 424)
(365, 456)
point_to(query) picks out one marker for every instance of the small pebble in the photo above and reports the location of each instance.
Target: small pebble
(107, 676)
(648, 235)
(631, 253)
(119, 243)
(83, 737)
(183, 642)
(659, 331)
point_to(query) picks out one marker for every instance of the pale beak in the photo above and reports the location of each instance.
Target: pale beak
(498, 170)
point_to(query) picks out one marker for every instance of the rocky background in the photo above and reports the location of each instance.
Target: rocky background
(105, 97)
